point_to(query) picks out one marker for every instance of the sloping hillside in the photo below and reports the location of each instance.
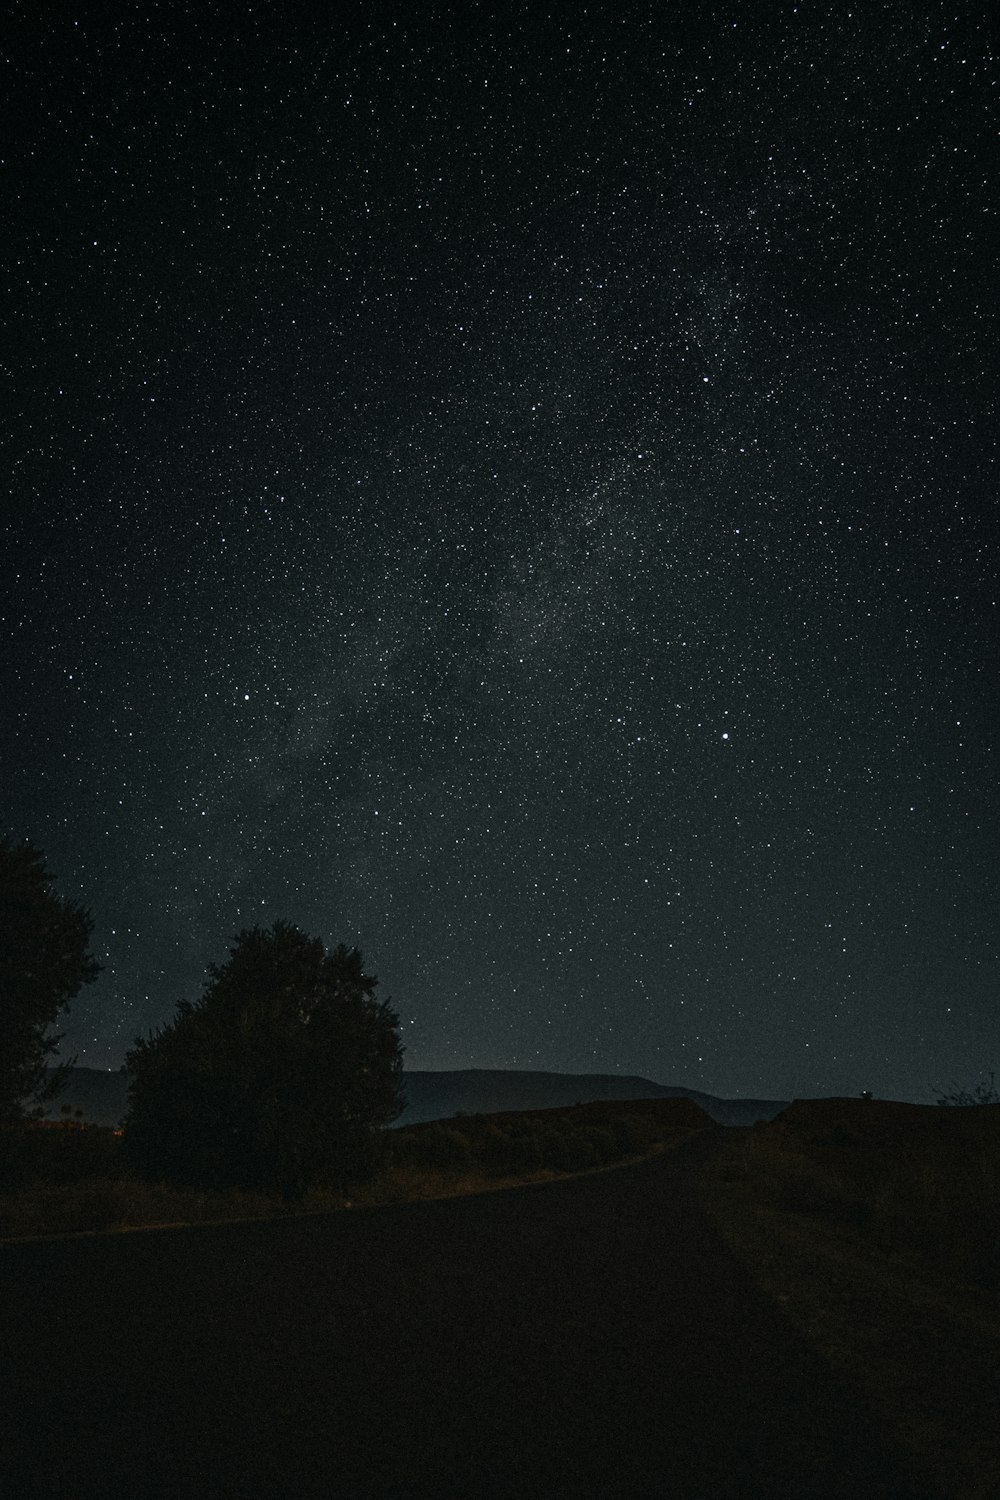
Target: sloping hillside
(101, 1096)
(436, 1096)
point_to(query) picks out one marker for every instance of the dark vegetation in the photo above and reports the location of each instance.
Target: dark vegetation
(64, 1178)
(44, 962)
(279, 1077)
(577, 1139)
(983, 1092)
(912, 1178)
(876, 1225)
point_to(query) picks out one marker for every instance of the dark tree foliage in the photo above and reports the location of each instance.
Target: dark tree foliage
(280, 1076)
(984, 1092)
(44, 960)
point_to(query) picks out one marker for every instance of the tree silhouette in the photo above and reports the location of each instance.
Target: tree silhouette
(984, 1092)
(44, 961)
(281, 1074)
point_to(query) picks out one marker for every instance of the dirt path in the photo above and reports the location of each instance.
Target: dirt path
(589, 1338)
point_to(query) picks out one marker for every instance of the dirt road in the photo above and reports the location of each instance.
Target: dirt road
(592, 1338)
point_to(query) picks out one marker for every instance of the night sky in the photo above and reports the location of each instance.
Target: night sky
(512, 488)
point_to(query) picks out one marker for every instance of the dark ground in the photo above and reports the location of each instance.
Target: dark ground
(102, 1097)
(586, 1338)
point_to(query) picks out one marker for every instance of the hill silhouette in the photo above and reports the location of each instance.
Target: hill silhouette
(485, 1091)
(102, 1096)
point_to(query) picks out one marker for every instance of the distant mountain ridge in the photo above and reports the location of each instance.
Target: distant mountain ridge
(98, 1095)
(102, 1096)
(485, 1091)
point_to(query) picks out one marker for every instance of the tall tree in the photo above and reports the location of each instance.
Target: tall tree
(44, 961)
(282, 1073)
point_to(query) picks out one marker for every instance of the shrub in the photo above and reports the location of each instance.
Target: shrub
(279, 1077)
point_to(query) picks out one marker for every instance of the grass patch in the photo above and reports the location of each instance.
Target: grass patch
(874, 1226)
(66, 1180)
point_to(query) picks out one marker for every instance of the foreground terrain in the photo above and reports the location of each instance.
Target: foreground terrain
(589, 1337)
(876, 1226)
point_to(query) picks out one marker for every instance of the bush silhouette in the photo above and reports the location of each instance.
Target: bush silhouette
(983, 1092)
(280, 1076)
(43, 963)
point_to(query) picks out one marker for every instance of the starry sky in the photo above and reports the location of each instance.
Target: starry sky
(511, 487)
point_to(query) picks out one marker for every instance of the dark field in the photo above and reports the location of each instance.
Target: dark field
(591, 1337)
(876, 1226)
